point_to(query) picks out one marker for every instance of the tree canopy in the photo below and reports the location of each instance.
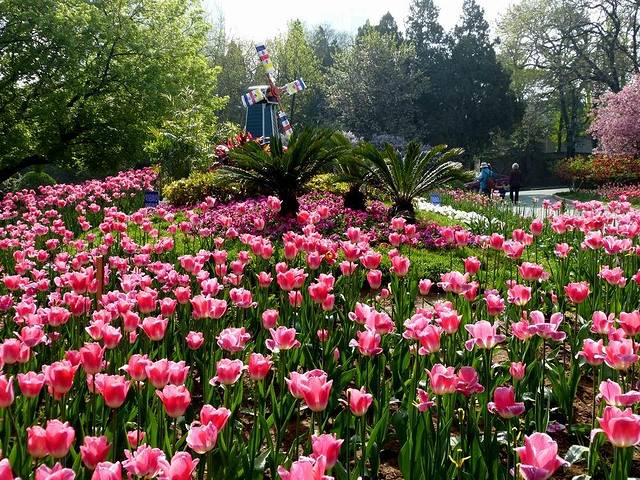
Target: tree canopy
(82, 83)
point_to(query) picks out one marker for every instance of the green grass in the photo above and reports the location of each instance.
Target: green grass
(433, 217)
(580, 195)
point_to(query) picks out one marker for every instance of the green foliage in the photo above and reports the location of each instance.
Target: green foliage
(372, 87)
(284, 171)
(82, 83)
(34, 179)
(404, 177)
(198, 186)
(184, 141)
(327, 182)
(599, 169)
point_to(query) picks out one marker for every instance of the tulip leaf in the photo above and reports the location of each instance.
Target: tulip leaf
(584, 476)
(576, 453)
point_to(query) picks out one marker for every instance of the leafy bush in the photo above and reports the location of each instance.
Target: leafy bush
(327, 182)
(599, 169)
(198, 186)
(34, 179)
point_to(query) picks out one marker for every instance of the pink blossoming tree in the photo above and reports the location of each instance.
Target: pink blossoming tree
(616, 123)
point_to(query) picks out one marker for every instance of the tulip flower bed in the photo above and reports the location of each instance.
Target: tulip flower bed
(226, 343)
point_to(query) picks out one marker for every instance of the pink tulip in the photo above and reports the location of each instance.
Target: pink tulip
(424, 286)
(620, 354)
(495, 304)
(233, 340)
(270, 318)
(374, 278)
(13, 351)
(359, 401)
(400, 265)
(484, 335)
(181, 467)
(429, 338)
(202, 438)
(328, 446)
(113, 388)
(282, 338)
(155, 327)
(519, 295)
(532, 272)
(176, 399)
(536, 227)
(194, 340)
(547, 330)
(539, 458)
(59, 377)
(443, 379)
(504, 403)
(613, 395)
(259, 366)
(217, 416)
(315, 392)
(5, 470)
(517, 370)
(630, 322)
(58, 438)
(471, 265)
(94, 450)
(367, 342)
(601, 323)
(449, 321)
(468, 382)
(91, 355)
(107, 471)
(423, 403)
(144, 462)
(227, 372)
(158, 373)
(577, 292)
(137, 366)
(135, 438)
(30, 383)
(7, 394)
(58, 472)
(622, 427)
(592, 352)
(454, 282)
(305, 469)
(37, 442)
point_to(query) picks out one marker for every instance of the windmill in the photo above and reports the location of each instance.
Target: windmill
(263, 102)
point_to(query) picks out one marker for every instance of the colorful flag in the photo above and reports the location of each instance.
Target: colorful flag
(252, 97)
(284, 124)
(295, 86)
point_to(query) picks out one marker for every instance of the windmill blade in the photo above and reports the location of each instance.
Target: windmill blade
(252, 97)
(285, 126)
(294, 87)
(263, 55)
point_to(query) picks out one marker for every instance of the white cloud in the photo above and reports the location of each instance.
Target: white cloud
(258, 20)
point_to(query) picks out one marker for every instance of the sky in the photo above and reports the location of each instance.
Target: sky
(257, 20)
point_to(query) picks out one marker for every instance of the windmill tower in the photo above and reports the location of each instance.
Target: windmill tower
(264, 115)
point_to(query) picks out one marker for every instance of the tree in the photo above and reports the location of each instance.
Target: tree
(373, 88)
(425, 33)
(405, 177)
(81, 83)
(294, 57)
(388, 26)
(616, 123)
(475, 98)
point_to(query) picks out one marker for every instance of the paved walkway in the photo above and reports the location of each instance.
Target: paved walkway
(531, 200)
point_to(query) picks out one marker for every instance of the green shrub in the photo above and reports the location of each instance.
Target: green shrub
(599, 169)
(34, 179)
(197, 187)
(327, 182)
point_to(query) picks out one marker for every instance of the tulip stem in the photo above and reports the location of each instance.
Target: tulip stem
(363, 445)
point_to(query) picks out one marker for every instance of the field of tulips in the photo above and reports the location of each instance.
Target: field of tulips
(223, 342)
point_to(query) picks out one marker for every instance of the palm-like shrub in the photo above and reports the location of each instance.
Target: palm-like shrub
(283, 171)
(404, 177)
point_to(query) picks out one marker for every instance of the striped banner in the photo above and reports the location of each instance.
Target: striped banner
(295, 86)
(252, 97)
(284, 124)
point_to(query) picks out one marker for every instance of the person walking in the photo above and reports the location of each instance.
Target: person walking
(515, 183)
(484, 178)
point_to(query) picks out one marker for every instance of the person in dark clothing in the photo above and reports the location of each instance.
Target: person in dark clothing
(515, 183)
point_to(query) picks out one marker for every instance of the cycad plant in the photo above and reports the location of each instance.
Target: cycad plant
(283, 171)
(404, 177)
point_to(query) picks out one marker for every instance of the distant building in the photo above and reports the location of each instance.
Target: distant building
(584, 146)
